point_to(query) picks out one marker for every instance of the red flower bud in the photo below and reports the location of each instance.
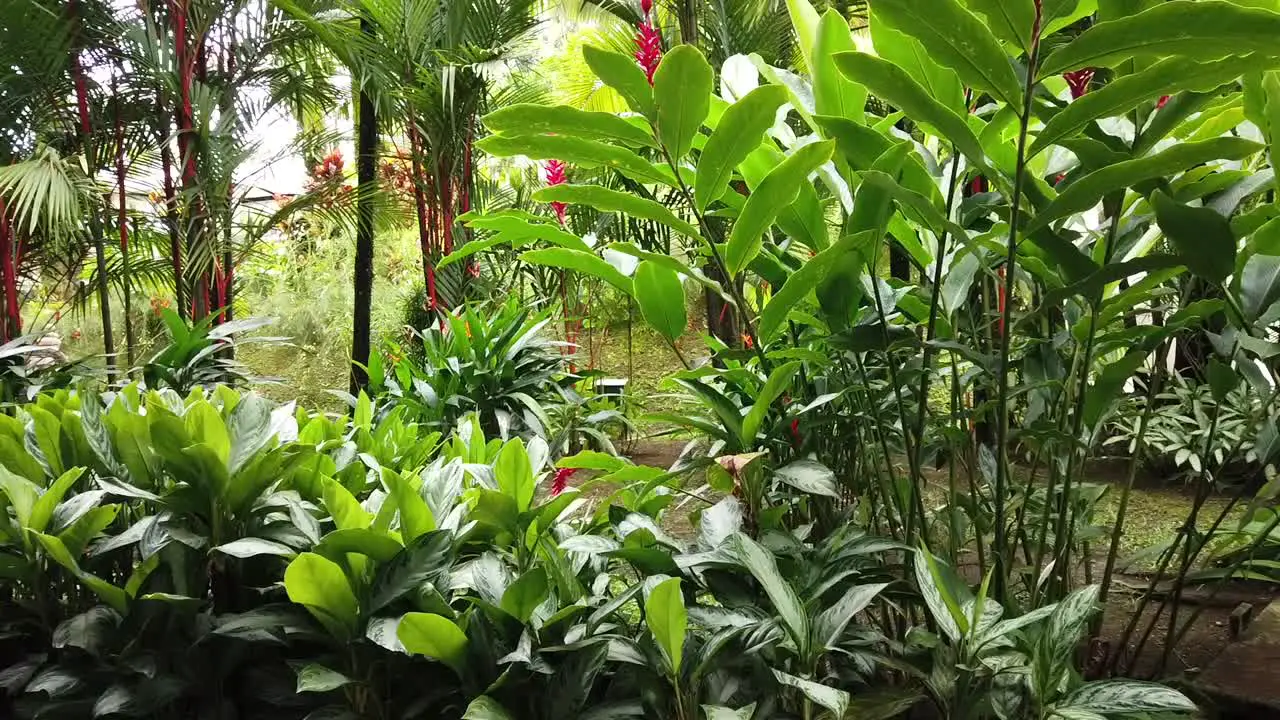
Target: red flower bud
(1079, 81)
(561, 480)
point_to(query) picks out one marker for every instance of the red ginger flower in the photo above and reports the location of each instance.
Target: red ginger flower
(1164, 100)
(648, 43)
(1079, 81)
(561, 480)
(556, 176)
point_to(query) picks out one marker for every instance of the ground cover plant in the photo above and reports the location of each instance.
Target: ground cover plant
(900, 272)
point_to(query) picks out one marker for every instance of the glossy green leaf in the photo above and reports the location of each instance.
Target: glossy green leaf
(1259, 285)
(435, 637)
(740, 130)
(607, 200)
(514, 473)
(486, 708)
(941, 83)
(1010, 20)
(779, 380)
(660, 296)
(416, 518)
(803, 281)
(809, 476)
(1089, 190)
(621, 73)
(833, 93)
(1202, 237)
(525, 594)
(536, 119)
(778, 190)
(579, 152)
(761, 564)
(1127, 697)
(1123, 94)
(318, 584)
(1107, 388)
(666, 617)
(825, 696)
(805, 21)
(252, 547)
(958, 39)
(831, 623)
(378, 545)
(939, 589)
(892, 84)
(248, 430)
(314, 677)
(1205, 30)
(205, 425)
(579, 261)
(47, 430)
(42, 509)
(682, 89)
(114, 596)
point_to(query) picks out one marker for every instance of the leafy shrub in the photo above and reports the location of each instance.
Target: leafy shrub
(173, 558)
(498, 364)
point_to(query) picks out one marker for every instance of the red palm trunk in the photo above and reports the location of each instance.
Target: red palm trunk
(8, 268)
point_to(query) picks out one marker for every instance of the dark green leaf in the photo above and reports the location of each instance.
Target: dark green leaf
(608, 200)
(803, 281)
(661, 299)
(435, 637)
(664, 613)
(1202, 237)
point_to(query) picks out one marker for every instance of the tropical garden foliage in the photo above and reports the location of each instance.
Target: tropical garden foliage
(950, 252)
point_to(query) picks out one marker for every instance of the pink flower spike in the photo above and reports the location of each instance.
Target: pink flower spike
(1164, 100)
(648, 48)
(1079, 81)
(646, 6)
(556, 176)
(561, 480)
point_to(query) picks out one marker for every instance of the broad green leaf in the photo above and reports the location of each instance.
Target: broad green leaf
(205, 425)
(1222, 379)
(486, 708)
(1206, 30)
(1121, 95)
(416, 518)
(579, 261)
(892, 84)
(779, 380)
(904, 51)
(375, 544)
(114, 596)
(535, 119)
(1106, 390)
(1259, 285)
(252, 547)
(666, 617)
(837, 701)
(1089, 190)
(514, 473)
(723, 407)
(42, 510)
(1271, 108)
(525, 594)
(761, 564)
(939, 590)
(435, 637)
(803, 281)
(805, 21)
(607, 200)
(1127, 697)
(958, 39)
(314, 677)
(778, 190)
(740, 130)
(580, 152)
(833, 93)
(809, 476)
(682, 89)
(1058, 14)
(249, 429)
(831, 623)
(87, 527)
(47, 430)
(343, 507)
(318, 584)
(621, 73)
(661, 299)
(1010, 20)
(1202, 237)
